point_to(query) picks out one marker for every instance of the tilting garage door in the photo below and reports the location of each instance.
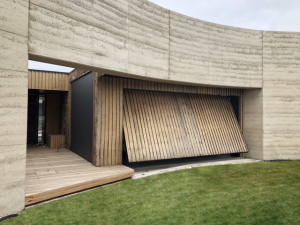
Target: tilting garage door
(160, 125)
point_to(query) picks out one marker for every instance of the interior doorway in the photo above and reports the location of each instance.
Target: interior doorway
(36, 117)
(46, 116)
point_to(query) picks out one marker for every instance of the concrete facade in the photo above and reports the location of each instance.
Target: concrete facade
(281, 104)
(13, 104)
(138, 39)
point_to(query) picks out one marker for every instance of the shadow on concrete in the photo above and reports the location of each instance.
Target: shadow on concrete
(145, 169)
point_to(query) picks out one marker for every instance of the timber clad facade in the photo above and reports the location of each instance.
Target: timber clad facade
(167, 125)
(43, 80)
(48, 107)
(111, 105)
(158, 120)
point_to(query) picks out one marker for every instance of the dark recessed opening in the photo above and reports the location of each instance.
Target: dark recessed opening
(235, 102)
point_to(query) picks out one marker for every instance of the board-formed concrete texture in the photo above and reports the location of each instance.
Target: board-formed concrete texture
(138, 39)
(13, 104)
(281, 102)
(212, 54)
(253, 122)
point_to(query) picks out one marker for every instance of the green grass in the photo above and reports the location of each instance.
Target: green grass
(259, 193)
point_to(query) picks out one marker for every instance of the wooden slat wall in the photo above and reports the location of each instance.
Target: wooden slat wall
(163, 125)
(56, 141)
(109, 102)
(220, 131)
(64, 114)
(53, 115)
(43, 80)
(108, 146)
(68, 117)
(95, 154)
(157, 86)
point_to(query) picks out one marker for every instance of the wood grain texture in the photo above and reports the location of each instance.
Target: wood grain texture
(183, 125)
(95, 154)
(110, 100)
(108, 149)
(53, 113)
(51, 174)
(55, 141)
(43, 80)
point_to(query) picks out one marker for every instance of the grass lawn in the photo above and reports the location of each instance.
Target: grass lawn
(259, 193)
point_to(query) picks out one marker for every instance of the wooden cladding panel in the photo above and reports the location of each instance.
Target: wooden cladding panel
(56, 141)
(108, 131)
(42, 80)
(53, 113)
(220, 129)
(157, 86)
(110, 108)
(160, 125)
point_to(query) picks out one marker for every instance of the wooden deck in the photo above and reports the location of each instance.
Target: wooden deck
(50, 174)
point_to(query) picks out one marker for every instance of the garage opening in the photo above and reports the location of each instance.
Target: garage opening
(162, 125)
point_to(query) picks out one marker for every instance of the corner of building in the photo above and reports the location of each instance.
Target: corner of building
(13, 104)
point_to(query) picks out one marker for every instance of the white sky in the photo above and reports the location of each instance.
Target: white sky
(274, 15)
(45, 66)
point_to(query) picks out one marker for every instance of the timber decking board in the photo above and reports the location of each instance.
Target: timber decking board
(206, 123)
(50, 174)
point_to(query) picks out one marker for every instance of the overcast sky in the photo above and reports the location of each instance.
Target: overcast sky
(274, 15)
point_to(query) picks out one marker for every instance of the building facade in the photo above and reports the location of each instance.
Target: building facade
(136, 39)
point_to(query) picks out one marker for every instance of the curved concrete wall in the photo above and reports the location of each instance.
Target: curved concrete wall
(140, 39)
(214, 54)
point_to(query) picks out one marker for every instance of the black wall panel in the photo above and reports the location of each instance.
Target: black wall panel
(82, 116)
(235, 102)
(32, 117)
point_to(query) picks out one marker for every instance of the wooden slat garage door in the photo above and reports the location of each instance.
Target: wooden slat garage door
(161, 125)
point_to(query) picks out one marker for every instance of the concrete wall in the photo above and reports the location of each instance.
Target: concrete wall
(281, 95)
(253, 122)
(272, 114)
(13, 104)
(136, 38)
(213, 54)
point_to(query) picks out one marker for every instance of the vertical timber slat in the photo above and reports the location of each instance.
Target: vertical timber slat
(115, 114)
